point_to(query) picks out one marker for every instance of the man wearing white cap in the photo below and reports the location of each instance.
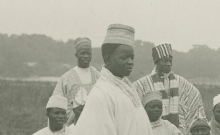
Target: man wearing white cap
(181, 100)
(152, 102)
(200, 126)
(56, 113)
(76, 84)
(113, 106)
(215, 122)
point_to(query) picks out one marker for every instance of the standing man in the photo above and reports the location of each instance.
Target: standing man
(215, 122)
(76, 84)
(56, 113)
(152, 102)
(181, 99)
(113, 106)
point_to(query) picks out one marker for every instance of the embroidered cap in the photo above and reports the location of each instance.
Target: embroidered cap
(119, 34)
(198, 123)
(84, 41)
(162, 51)
(149, 96)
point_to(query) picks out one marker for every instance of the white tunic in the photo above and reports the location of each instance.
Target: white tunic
(47, 131)
(108, 111)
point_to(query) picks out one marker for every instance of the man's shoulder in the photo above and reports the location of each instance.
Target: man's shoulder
(93, 68)
(41, 132)
(67, 73)
(143, 79)
(103, 87)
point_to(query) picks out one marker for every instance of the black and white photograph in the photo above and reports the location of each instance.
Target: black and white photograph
(109, 67)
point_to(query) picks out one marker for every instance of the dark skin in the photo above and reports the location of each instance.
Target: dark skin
(164, 65)
(57, 118)
(216, 112)
(201, 131)
(121, 62)
(84, 56)
(154, 110)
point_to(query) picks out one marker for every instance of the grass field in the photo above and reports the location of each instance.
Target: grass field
(23, 105)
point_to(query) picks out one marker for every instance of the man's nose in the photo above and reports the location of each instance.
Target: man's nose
(130, 61)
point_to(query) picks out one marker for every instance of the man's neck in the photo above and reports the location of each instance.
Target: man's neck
(82, 67)
(113, 73)
(55, 129)
(155, 121)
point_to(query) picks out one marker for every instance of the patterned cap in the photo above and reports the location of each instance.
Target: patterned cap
(119, 34)
(57, 101)
(162, 51)
(149, 96)
(216, 100)
(84, 41)
(198, 123)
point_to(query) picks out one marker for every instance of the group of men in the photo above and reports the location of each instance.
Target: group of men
(88, 102)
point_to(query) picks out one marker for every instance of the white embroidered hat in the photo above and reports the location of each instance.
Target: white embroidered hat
(57, 101)
(149, 96)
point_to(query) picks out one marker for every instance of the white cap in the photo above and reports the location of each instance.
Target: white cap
(216, 100)
(57, 101)
(153, 95)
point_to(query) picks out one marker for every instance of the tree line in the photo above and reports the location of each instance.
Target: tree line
(39, 55)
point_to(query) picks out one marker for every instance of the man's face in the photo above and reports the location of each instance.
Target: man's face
(84, 56)
(121, 61)
(216, 112)
(154, 110)
(201, 131)
(164, 65)
(57, 118)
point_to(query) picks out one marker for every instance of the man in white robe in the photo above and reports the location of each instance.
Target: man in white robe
(113, 106)
(76, 84)
(56, 113)
(152, 103)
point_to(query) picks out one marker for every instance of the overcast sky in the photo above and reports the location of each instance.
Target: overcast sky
(179, 22)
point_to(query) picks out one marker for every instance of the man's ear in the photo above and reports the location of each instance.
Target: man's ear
(107, 59)
(76, 54)
(48, 112)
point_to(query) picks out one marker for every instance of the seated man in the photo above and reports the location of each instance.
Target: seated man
(152, 102)
(215, 122)
(200, 127)
(56, 113)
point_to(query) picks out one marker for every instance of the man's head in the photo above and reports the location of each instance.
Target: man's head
(152, 103)
(162, 56)
(199, 127)
(56, 112)
(216, 108)
(83, 52)
(117, 49)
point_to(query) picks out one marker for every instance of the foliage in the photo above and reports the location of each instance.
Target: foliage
(39, 55)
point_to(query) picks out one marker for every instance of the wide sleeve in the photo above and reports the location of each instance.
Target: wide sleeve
(61, 89)
(142, 87)
(191, 98)
(97, 118)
